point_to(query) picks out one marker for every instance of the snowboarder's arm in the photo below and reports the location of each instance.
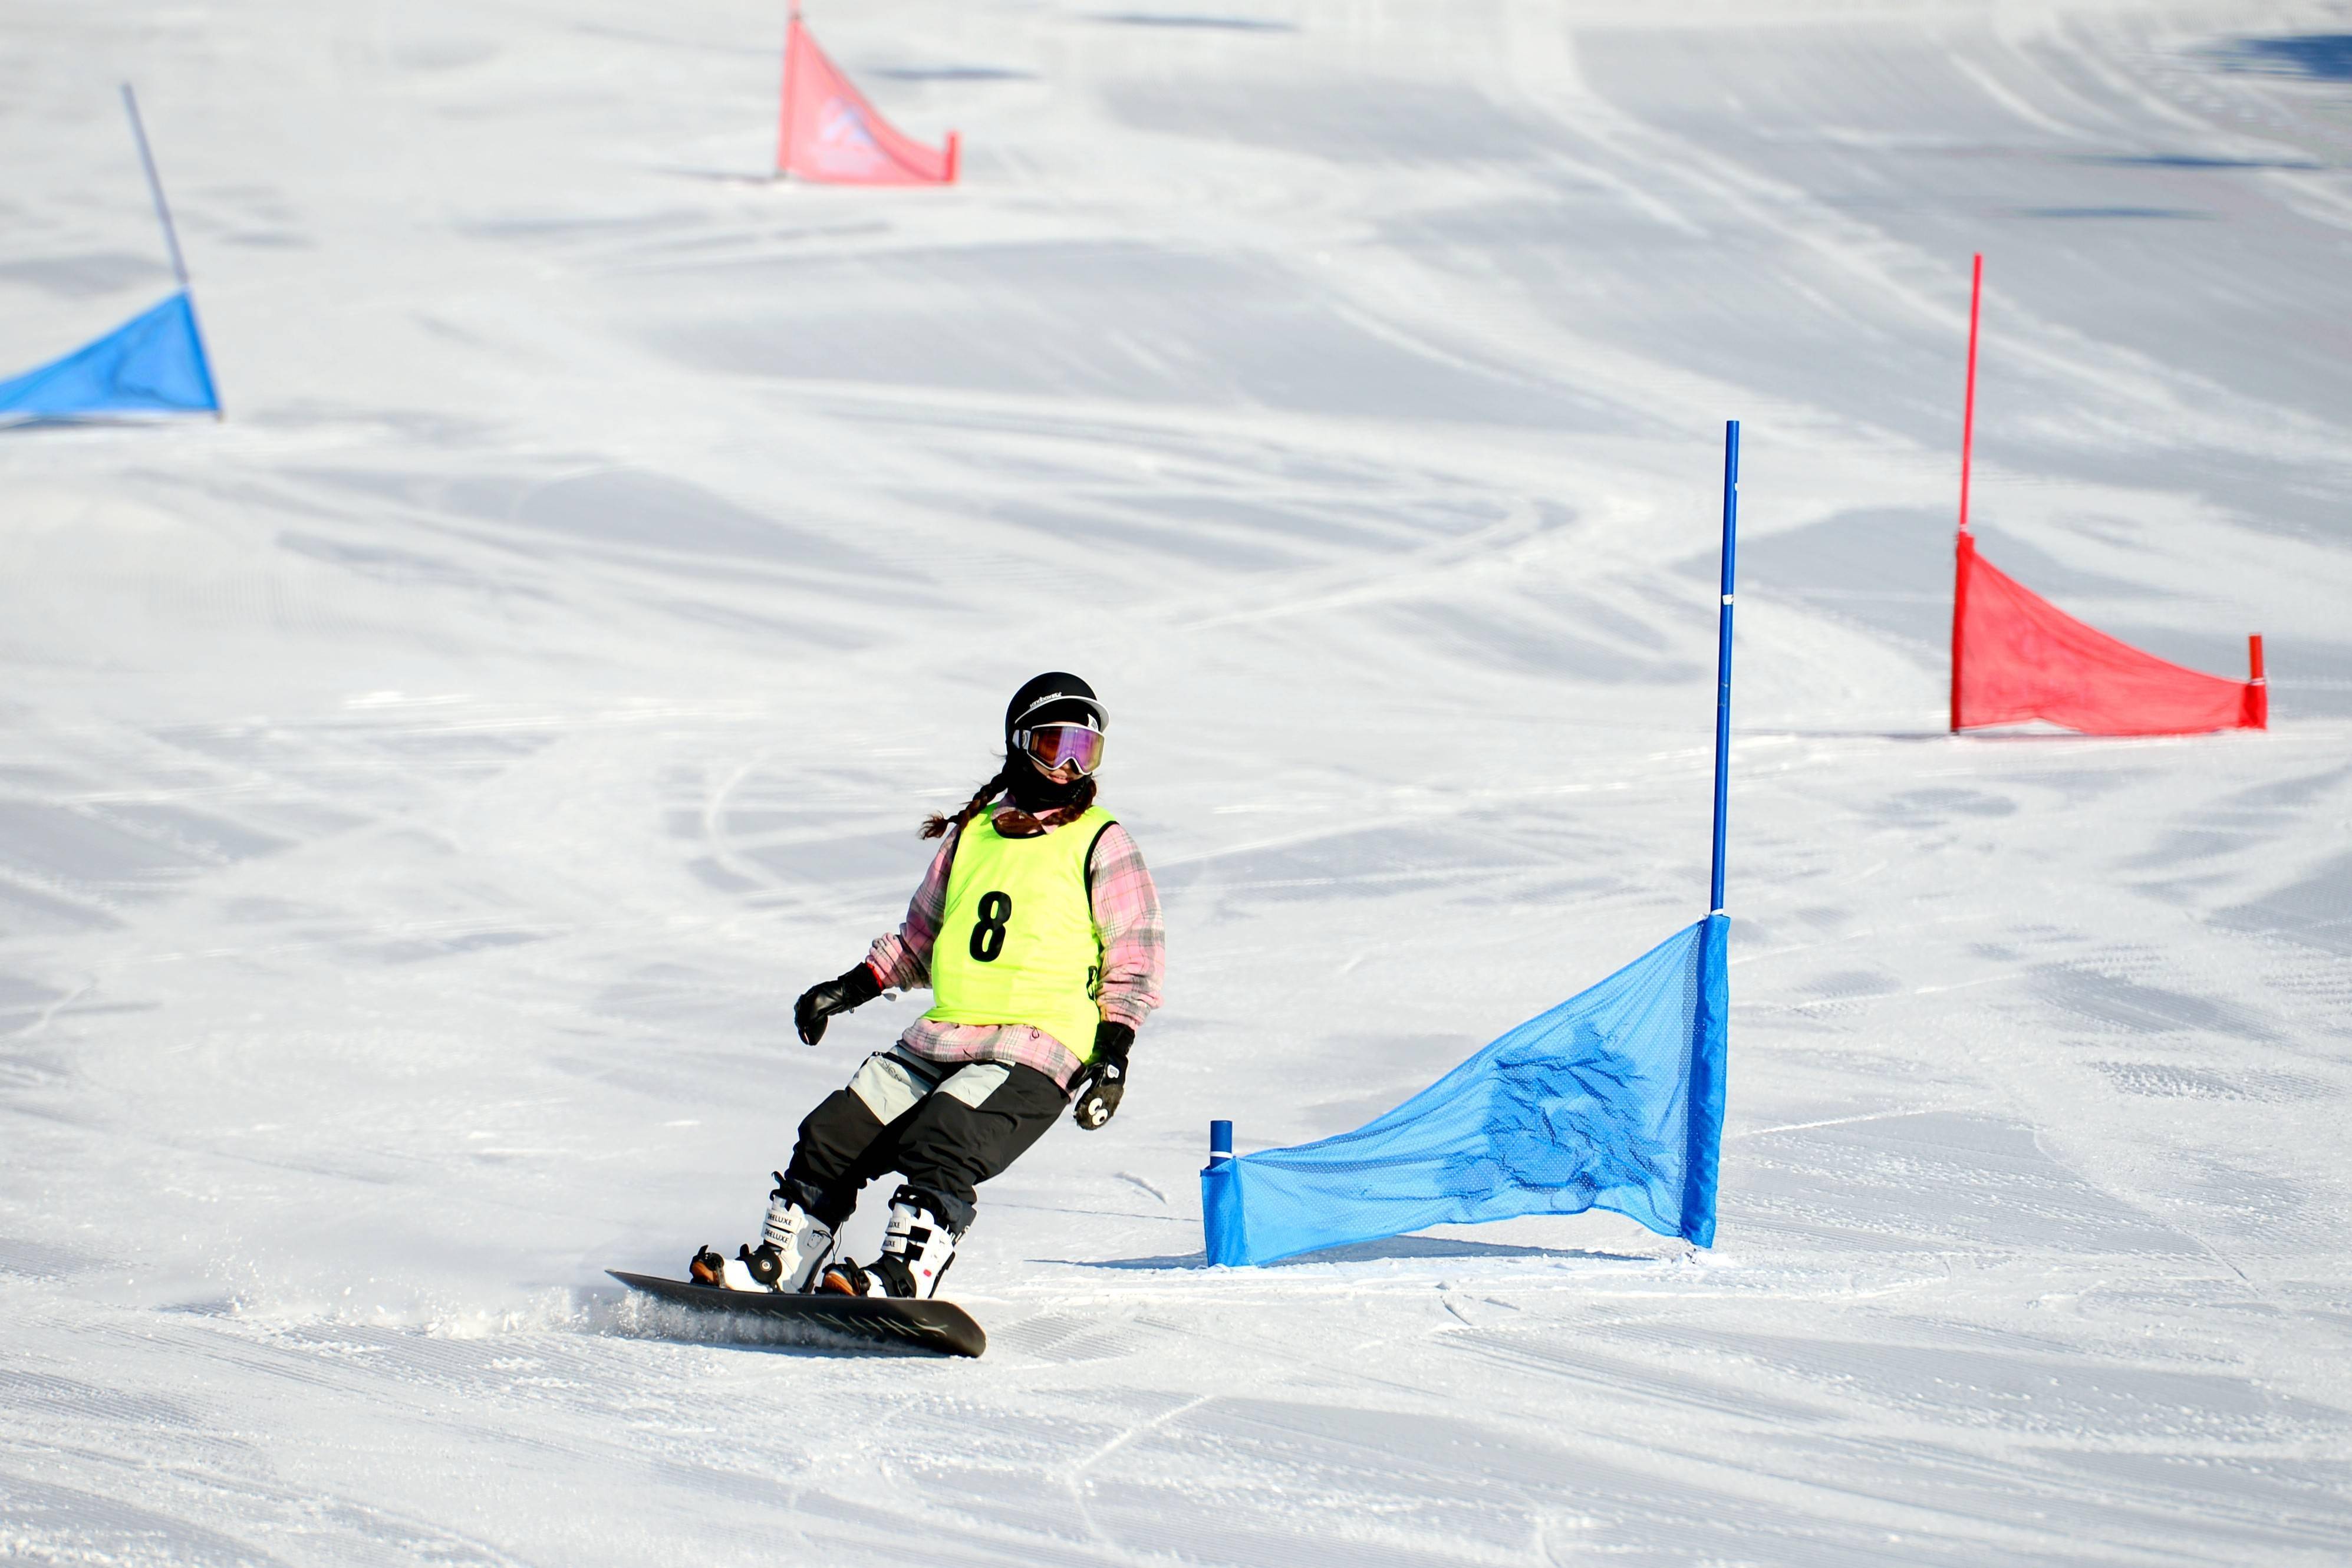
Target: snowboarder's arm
(1126, 913)
(901, 960)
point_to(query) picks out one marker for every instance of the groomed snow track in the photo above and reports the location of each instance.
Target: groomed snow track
(421, 795)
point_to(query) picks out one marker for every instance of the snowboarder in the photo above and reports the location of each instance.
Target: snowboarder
(1037, 929)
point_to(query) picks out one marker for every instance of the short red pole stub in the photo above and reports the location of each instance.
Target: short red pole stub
(2257, 688)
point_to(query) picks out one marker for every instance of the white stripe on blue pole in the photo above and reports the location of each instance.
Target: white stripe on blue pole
(1723, 657)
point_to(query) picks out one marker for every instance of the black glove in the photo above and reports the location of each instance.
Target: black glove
(1102, 1080)
(855, 988)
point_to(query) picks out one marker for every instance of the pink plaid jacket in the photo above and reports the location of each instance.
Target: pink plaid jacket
(1126, 913)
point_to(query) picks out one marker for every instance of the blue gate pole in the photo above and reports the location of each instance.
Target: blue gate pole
(155, 187)
(1723, 657)
(171, 240)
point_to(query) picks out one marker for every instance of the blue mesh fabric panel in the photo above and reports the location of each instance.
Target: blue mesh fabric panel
(153, 364)
(1613, 1099)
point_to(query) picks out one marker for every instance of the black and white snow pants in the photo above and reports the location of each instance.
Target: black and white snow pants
(946, 1128)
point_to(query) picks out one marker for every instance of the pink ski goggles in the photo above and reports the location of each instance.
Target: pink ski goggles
(1062, 745)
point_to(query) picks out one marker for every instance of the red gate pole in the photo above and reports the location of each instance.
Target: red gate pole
(1968, 413)
(1961, 552)
(784, 133)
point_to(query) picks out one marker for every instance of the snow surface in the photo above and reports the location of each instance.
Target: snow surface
(424, 794)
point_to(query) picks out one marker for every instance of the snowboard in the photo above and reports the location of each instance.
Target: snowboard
(829, 1321)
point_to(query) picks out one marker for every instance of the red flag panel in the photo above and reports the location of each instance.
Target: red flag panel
(2016, 658)
(833, 135)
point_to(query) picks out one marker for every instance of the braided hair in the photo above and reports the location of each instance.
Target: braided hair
(936, 825)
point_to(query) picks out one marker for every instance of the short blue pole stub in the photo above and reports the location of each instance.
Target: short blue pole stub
(1220, 1142)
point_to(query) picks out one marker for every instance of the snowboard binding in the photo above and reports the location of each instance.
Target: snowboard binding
(916, 1252)
(793, 1247)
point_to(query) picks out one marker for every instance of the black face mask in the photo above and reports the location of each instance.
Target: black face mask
(1032, 792)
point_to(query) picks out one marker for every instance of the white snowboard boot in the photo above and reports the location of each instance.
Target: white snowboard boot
(793, 1247)
(916, 1252)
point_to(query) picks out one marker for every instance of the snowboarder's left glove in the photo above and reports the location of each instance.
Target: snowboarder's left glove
(1102, 1080)
(855, 988)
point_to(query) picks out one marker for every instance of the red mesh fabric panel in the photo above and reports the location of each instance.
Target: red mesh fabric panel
(2016, 656)
(832, 134)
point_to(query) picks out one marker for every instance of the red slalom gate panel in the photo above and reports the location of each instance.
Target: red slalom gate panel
(2016, 658)
(831, 134)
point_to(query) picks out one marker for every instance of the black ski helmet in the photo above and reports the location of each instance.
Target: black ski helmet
(1056, 696)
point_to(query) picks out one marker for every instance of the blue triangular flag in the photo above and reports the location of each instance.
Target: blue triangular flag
(152, 364)
(1613, 1099)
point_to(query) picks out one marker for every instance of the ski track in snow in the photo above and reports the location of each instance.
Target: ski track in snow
(424, 792)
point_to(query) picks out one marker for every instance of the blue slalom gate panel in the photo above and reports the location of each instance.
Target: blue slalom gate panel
(1613, 1099)
(152, 364)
